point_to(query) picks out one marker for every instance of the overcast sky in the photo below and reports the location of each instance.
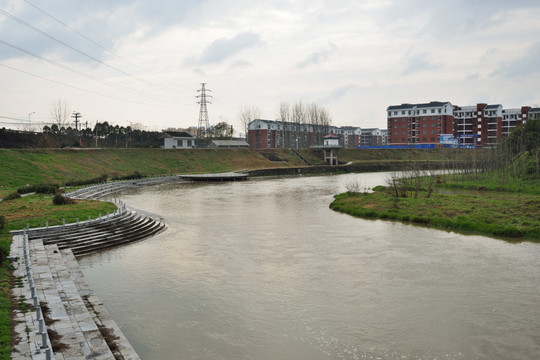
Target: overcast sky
(142, 61)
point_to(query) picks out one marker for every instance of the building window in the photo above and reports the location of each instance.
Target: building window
(433, 111)
(424, 111)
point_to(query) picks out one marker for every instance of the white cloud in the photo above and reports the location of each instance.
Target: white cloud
(525, 64)
(318, 57)
(417, 62)
(223, 48)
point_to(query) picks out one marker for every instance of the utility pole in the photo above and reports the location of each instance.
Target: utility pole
(203, 112)
(29, 122)
(76, 115)
(96, 131)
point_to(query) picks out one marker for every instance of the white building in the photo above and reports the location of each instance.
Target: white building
(178, 140)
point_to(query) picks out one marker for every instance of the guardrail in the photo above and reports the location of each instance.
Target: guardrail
(42, 328)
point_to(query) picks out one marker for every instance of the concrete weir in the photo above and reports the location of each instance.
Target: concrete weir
(59, 316)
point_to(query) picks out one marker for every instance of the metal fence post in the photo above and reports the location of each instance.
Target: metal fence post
(44, 340)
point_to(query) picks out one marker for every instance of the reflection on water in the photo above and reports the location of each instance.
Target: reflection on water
(264, 270)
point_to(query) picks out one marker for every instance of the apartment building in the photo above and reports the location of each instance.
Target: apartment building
(419, 123)
(471, 126)
(263, 134)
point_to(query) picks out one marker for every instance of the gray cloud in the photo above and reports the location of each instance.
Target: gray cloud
(444, 19)
(317, 57)
(417, 62)
(104, 22)
(339, 92)
(241, 64)
(525, 65)
(224, 48)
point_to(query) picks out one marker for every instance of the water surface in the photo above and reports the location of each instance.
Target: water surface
(265, 270)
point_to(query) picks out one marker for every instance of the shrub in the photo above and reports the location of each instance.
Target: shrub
(96, 180)
(39, 188)
(2, 221)
(11, 196)
(60, 199)
(134, 175)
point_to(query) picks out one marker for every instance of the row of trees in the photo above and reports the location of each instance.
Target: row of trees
(292, 115)
(302, 114)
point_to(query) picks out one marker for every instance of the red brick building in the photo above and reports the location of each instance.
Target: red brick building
(419, 123)
(265, 134)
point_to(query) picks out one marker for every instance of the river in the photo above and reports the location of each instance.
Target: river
(263, 269)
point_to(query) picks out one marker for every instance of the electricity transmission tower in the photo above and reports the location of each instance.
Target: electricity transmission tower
(203, 112)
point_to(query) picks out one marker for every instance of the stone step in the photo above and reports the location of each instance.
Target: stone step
(113, 240)
(82, 338)
(101, 317)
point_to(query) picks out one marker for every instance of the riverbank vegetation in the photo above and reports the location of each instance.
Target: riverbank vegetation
(67, 167)
(494, 192)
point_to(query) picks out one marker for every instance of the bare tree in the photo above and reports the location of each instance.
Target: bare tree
(284, 116)
(248, 114)
(59, 113)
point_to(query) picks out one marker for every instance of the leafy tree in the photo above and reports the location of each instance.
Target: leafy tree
(221, 130)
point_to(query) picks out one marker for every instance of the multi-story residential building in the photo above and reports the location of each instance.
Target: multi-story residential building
(372, 137)
(419, 123)
(512, 118)
(384, 137)
(278, 134)
(477, 125)
(471, 126)
(491, 121)
(351, 135)
(534, 114)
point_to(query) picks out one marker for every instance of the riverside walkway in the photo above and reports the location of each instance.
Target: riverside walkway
(58, 315)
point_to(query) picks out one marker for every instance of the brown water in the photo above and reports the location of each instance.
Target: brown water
(265, 270)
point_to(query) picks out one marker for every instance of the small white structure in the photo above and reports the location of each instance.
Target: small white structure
(178, 140)
(331, 140)
(331, 143)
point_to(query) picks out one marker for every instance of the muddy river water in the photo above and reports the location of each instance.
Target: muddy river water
(264, 269)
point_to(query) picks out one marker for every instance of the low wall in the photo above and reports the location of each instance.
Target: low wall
(351, 168)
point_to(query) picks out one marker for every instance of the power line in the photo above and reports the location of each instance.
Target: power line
(14, 18)
(95, 43)
(68, 68)
(71, 86)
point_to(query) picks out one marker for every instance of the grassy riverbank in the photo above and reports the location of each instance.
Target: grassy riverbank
(34, 166)
(474, 206)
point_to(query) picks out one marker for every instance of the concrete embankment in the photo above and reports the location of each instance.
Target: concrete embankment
(59, 316)
(347, 168)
